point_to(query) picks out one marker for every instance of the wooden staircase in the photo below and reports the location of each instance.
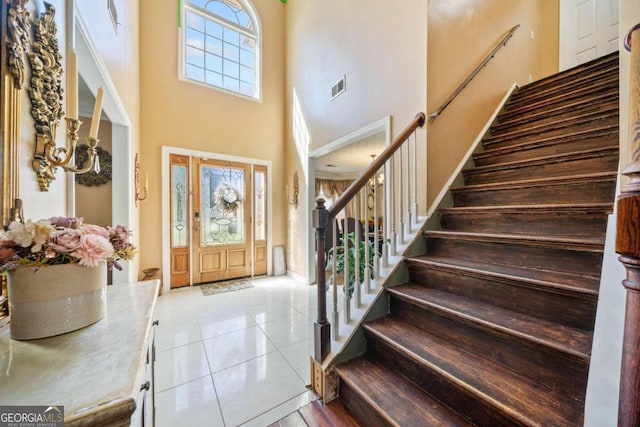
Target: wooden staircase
(494, 327)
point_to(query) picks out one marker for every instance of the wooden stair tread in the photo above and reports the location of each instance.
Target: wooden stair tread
(577, 89)
(583, 73)
(482, 379)
(560, 282)
(571, 243)
(536, 182)
(537, 128)
(606, 63)
(533, 209)
(394, 397)
(601, 131)
(555, 106)
(564, 339)
(543, 160)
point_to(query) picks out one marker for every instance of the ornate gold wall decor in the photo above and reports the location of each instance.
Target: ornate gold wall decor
(141, 192)
(17, 38)
(45, 91)
(296, 191)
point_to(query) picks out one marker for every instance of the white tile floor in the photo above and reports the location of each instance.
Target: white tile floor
(237, 358)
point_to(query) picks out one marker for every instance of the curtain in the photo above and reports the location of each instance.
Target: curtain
(333, 189)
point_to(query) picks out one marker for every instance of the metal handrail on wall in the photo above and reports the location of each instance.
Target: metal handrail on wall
(474, 73)
(396, 213)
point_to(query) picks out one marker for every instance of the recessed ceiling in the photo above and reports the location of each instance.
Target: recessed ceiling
(348, 162)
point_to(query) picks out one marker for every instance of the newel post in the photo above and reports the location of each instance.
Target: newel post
(628, 246)
(322, 328)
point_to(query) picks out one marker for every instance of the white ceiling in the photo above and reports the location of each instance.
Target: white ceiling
(350, 161)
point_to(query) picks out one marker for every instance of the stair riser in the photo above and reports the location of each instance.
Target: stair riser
(569, 310)
(467, 405)
(559, 224)
(525, 121)
(550, 148)
(360, 408)
(521, 255)
(605, 163)
(581, 192)
(559, 131)
(546, 367)
(549, 105)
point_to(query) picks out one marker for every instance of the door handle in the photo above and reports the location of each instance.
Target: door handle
(196, 228)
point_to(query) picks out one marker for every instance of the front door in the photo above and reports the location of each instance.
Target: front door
(221, 220)
(588, 30)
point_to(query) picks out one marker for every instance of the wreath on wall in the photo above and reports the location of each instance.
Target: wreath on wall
(91, 178)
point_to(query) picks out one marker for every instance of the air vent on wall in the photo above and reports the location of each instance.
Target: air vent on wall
(339, 87)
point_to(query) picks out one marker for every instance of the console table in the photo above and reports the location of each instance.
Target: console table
(101, 374)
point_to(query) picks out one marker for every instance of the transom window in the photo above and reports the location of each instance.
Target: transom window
(221, 44)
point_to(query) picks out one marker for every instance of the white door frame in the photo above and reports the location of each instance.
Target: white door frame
(95, 73)
(382, 125)
(166, 208)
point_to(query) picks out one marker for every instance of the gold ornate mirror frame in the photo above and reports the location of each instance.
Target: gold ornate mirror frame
(13, 45)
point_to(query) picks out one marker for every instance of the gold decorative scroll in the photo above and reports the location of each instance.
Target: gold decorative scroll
(45, 91)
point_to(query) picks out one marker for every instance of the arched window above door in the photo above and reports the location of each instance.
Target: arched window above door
(221, 45)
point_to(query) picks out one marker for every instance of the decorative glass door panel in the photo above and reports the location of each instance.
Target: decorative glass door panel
(221, 220)
(260, 220)
(222, 204)
(179, 220)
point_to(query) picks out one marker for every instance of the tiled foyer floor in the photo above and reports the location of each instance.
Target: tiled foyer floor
(237, 358)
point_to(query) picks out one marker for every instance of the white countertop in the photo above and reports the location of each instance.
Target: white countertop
(94, 372)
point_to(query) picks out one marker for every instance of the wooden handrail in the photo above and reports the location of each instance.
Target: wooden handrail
(628, 246)
(473, 74)
(322, 217)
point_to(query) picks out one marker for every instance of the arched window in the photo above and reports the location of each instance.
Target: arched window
(221, 42)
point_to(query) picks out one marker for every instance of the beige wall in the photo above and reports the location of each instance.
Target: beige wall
(93, 203)
(461, 33)
(190, 116)
(381, 48)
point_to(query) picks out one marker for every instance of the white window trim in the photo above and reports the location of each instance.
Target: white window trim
(250, 9)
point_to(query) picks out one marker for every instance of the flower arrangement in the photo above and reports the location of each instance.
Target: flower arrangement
(63, 240)
(227, 198)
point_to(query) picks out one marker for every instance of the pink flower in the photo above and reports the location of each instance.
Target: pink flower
(93, 251)
(95, 229)
(66, 240)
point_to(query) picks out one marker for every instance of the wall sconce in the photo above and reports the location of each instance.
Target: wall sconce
(296, 190)
(141, 193)
(46, 101)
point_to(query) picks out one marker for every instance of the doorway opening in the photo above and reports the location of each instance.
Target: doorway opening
(342, 160)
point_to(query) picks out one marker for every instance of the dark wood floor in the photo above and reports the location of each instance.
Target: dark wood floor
(315, 414)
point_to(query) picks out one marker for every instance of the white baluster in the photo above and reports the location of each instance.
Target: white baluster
(359, 238)
(335, 329)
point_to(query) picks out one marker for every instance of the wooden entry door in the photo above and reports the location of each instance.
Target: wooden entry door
(221, 220)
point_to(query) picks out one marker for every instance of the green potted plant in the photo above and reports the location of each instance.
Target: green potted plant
(348, 258)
